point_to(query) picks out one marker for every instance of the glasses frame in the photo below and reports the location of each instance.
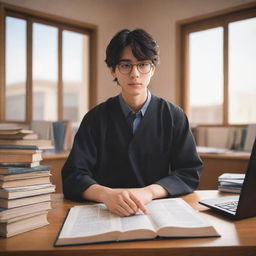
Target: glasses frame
(134, 64)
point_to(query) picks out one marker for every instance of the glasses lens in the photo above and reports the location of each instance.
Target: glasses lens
(144, 68)
(125, 68)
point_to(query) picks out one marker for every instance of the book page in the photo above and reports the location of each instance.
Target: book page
(174, 212)
(136, 227)
(95, 223)
(137, 221)
(88, 220)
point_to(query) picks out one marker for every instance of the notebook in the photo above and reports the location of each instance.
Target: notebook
(243, 205)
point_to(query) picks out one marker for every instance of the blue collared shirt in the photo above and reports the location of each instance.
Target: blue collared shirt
(128, 112)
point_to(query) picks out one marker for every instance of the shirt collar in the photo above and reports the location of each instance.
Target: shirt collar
(126, 109)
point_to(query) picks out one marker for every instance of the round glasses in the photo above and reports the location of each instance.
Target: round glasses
(142, 67)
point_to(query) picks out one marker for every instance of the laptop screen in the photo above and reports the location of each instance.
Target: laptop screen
(247, 200)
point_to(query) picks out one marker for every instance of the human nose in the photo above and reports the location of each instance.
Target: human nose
(134, 72)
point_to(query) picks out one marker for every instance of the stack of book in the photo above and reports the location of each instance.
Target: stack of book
(231, 182)
(25, 189)
(11, 134)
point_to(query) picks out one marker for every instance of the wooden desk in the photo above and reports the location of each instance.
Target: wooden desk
(238, 238)
(216, 164)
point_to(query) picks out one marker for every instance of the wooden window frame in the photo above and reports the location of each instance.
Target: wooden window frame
(62, 24)
(183, 28)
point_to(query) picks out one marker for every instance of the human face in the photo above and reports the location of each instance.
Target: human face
(133, 83)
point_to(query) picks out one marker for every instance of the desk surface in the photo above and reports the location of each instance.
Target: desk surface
(237, 237)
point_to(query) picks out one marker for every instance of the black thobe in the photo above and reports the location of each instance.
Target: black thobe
(106, 152)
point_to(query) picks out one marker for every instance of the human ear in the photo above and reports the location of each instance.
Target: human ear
(153, 70)
(113, 72)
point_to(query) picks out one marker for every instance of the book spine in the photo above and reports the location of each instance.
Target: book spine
(16, 170)
(33, 147)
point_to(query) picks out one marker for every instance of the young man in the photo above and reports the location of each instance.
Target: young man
(134, 147)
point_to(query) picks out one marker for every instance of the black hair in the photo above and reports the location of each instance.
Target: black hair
(142, 44)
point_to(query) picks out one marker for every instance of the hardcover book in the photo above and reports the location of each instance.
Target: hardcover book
(12, 169)
(11, 203)
(21, 151)
(19, 136)
(6, 214)
(166, 218)
(20, 164)
(23, 224)
(26, 175)
(18, 147)
(20, 158)
(19, 192)
(41, 144)
(25, 182)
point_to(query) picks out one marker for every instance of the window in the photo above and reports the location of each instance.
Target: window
(44, 72)
(218, 64)
(16, 69)
(46, 67)
(206, 76)
(76, 83)
(241, 72)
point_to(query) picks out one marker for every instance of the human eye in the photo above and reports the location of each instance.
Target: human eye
(143, 65)
(125, 65)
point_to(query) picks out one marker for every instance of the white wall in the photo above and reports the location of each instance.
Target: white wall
(158, 17)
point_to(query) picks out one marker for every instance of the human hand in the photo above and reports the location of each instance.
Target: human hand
(144, 195)
(125, 202)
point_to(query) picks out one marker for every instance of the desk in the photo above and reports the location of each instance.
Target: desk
(238, 238)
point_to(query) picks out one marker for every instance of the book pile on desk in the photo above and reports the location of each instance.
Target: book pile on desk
(25, 189)
(11, 134)
(231, 182)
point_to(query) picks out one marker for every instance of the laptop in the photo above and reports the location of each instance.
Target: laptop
(243, 205)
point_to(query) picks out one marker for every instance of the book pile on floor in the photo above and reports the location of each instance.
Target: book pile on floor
(231, 182)
(25, 189)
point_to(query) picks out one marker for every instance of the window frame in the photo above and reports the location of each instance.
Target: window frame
(62, 24)
(183, 29)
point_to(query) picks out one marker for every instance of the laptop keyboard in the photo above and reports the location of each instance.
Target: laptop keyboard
(230, 206)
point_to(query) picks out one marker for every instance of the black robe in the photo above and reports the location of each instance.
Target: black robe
(106, 152)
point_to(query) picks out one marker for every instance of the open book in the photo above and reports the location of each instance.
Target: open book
(166, 218)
